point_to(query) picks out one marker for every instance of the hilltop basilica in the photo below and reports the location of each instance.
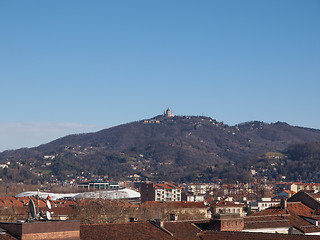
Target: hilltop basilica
(168, 113)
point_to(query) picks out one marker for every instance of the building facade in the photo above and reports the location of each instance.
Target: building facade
(160, 192)
(98, 185)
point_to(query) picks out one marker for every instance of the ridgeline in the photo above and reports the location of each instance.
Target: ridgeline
(166, 148)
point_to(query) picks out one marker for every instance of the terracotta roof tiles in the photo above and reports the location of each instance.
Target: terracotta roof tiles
(6, 237)
(183, 229)
(225, 204)
(255, 222)
(176, 204)
(165, 186)
(126, 231)
(210, 235)
(295, 215)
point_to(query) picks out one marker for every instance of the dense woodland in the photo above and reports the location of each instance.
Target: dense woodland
(180, 149)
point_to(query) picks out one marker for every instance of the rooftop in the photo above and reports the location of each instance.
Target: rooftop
(296, 215)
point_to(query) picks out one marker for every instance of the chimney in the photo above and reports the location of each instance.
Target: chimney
(226, 222)
(159, 222)
(283, 204)
(173, 217)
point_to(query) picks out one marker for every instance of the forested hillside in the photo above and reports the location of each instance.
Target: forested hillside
(181, 148)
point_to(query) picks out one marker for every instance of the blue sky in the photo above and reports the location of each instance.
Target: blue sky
(80, 66)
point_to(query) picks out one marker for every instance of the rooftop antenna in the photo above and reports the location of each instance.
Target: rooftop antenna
(48, 215)
(48, 204)
(38, 197)
(32, 209)
(41, 214)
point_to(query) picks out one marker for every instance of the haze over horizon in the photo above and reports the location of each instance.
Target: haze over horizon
(79, 66)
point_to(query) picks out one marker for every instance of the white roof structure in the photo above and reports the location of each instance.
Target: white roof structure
(109, 194)
(53, 196)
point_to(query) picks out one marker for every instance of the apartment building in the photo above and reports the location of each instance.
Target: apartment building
(311, 187)
(164, 192)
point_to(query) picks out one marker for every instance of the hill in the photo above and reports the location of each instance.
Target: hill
(180, 148)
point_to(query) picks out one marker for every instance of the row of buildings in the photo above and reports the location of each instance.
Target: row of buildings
(237, 191)
(294, 218)
(288, 215)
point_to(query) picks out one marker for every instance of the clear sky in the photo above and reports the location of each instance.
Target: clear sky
(79, 66)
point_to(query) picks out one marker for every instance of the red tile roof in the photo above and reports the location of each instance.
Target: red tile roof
(315, 195)
(210, 235)
(225, 204)
(136, 230)
(290, 192)
(21, 205)
(6, 237)
(175, 204)
(295, 215)
(24, 201)
(183, 229)
(256, 222)
(187, 204)
(165, 186)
